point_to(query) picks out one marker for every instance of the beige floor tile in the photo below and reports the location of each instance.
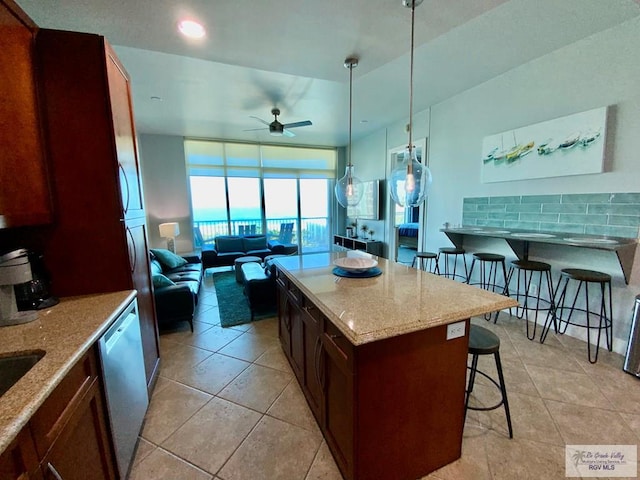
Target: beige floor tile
(178, 359)
(243, 327)
(546, 355)
(324, 466)
(580, 425)
(633, 421)
(215, 338)
(212, 374)
(530, 419)
(274, 358)
(565, 386)
(267, 326)
(291, 406)
(524, 459)
(257, 387)
(161, 464)
(274, 450)
(249, 346)
(208, 314)
(143, 449)
(472, 465)
(620, 388)
(170, 407)
(210, 437)
(181, 332)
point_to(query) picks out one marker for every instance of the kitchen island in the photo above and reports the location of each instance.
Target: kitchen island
(381, 361)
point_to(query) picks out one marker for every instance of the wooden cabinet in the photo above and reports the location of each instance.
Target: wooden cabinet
(98, 242)
(24, 191)
(380, 405)
(68, 436)
(290, 325)
(374, 247)
(20, 461)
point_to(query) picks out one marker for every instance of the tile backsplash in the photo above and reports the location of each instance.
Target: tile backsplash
(615, 214)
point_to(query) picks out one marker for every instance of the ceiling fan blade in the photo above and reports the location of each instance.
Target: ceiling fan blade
(253, 129)
(259, 119)
(298, 124)
(288, 133)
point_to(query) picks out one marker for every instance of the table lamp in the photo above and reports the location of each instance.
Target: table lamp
(170, 231)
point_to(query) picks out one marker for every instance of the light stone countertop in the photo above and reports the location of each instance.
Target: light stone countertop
(401, 300)
(65, 332)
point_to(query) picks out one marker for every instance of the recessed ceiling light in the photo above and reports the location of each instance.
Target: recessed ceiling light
(191, 29)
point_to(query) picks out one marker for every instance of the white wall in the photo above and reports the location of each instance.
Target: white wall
(601, 70)
(166, 193)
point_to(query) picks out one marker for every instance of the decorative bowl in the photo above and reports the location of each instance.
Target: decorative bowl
(355, 264)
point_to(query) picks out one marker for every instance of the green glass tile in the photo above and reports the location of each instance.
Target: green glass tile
(564, 208)
(627, 232)
(586, 198)
(539, 217)
(529, 208)
(492, 223)
(522, 225)
(477, 200)
(625, 198)
(624, 220)
(469, 207)
(561, 227)
(505, 200)
(583, 219)
(541, 199)
(491, 208)
(614, 209)
(503, 216)
(474, 216)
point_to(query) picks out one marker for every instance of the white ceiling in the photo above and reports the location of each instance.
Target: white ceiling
(290, 54)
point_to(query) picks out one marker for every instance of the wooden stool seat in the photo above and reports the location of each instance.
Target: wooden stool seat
(427, 261)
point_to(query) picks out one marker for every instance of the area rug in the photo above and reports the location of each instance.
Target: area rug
(232, 304)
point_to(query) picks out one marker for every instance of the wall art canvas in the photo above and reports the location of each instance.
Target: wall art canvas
(571, 145)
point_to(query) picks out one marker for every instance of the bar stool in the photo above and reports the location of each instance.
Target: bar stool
(489, 265)
(427, 261)
(528, 299)
(452, 252)
(605, 318)
(484, 342)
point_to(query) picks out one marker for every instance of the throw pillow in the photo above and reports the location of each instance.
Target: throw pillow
(160, 280)
(258, 243)
(168, 259)
(229, 244)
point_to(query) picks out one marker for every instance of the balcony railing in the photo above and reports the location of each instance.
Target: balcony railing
(314, 236)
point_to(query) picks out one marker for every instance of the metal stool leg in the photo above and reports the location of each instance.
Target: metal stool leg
(504, 393)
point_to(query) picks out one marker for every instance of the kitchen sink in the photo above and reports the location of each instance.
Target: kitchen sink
(14, 367)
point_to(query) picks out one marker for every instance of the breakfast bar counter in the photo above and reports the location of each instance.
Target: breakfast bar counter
(381, 361)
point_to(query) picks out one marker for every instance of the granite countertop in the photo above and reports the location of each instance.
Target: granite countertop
(65, 332)
(401, 300)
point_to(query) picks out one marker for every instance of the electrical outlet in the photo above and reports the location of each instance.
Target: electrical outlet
(533, 290)
(455, 330)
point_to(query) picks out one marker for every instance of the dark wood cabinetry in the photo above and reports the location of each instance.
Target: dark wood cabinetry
(98, 242)
(379, 404)
(68, 436)
(374, 247)
(24, 191)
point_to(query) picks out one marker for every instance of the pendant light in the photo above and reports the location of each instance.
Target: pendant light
(349, 189)
(410, 180)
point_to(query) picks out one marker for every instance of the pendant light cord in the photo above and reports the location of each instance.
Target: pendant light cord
(350, 109)
(413, 13)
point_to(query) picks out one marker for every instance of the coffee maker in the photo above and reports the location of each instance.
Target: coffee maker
(33, 294)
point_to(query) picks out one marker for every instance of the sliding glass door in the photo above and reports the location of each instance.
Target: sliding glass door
(246, 189)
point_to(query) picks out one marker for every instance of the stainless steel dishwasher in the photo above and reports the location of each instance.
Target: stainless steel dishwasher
(125, 383)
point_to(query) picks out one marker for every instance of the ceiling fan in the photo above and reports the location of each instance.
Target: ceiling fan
(278, 129)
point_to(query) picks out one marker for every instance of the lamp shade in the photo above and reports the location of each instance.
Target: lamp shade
(409, 181)
(349, 189)
(169, 230)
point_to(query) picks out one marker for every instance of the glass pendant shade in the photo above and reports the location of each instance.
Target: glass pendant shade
(409, 181)
(349, 189)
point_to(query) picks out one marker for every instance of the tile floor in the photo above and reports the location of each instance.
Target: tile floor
(227, 407)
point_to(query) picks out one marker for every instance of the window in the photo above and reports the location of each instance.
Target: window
(244, 189)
